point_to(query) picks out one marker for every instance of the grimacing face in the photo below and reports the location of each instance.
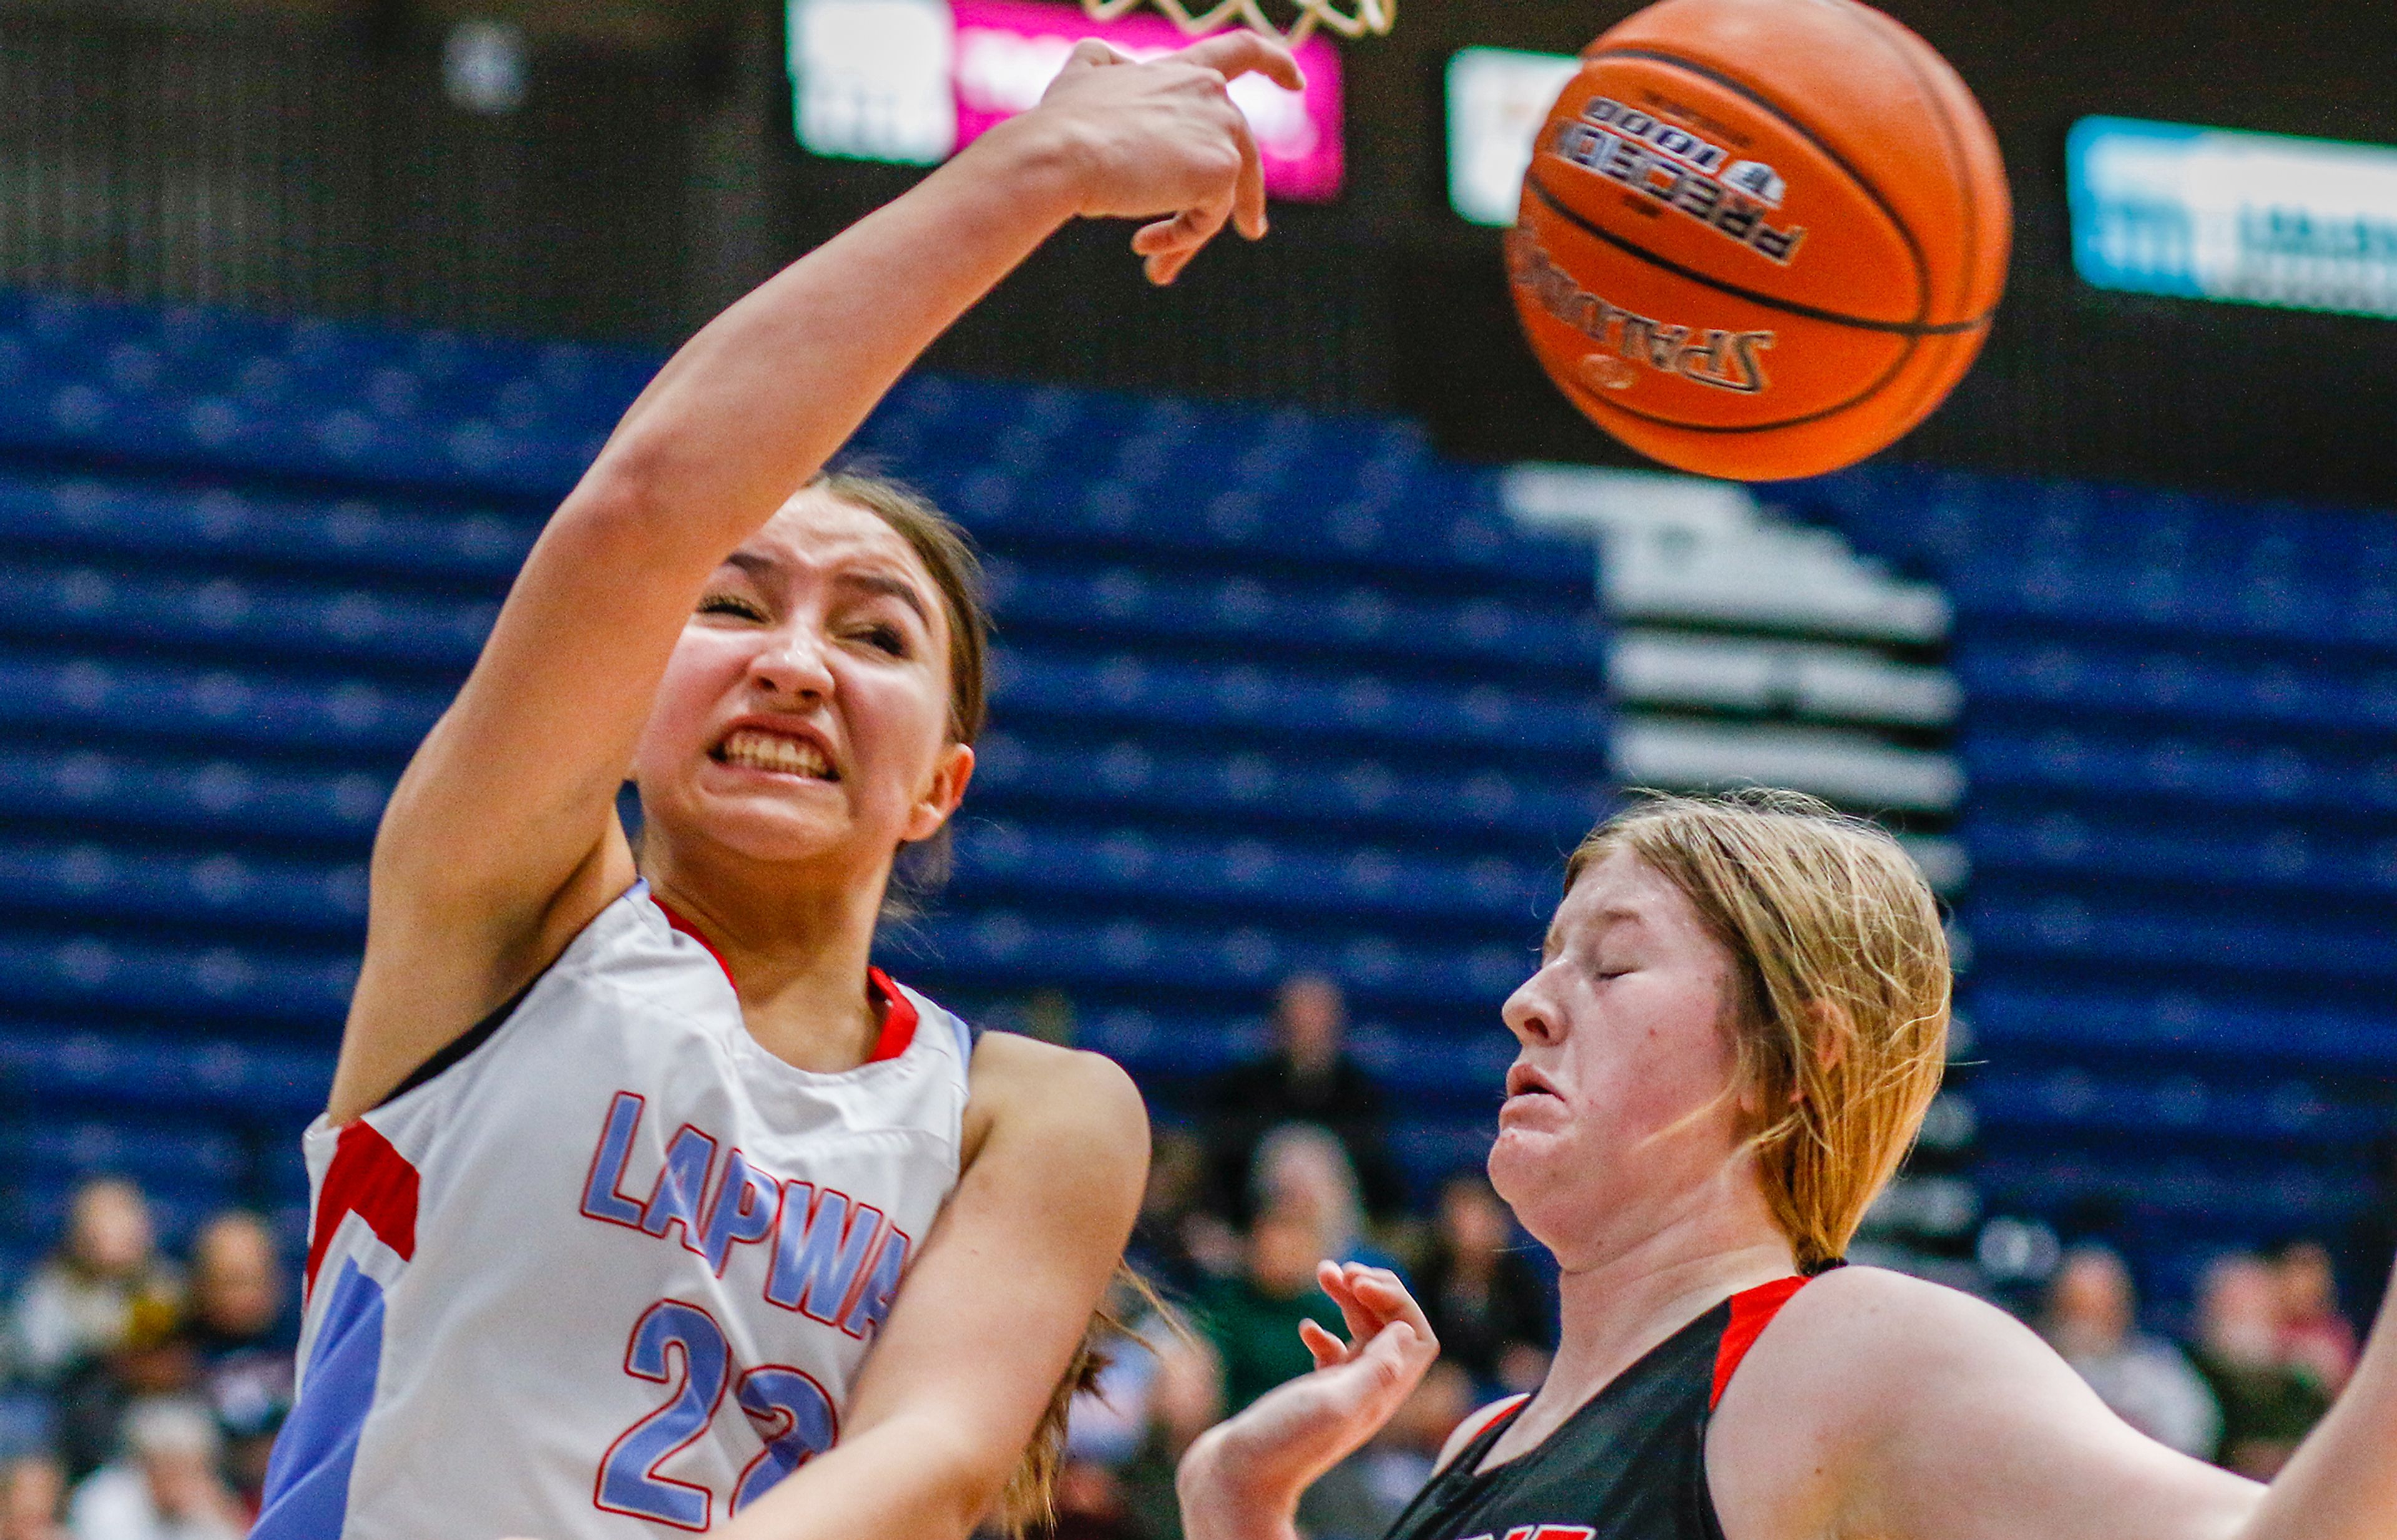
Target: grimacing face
(1616, 1118)
(804, 715)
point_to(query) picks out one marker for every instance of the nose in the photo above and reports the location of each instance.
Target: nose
(791, 663)
(1531, 1015)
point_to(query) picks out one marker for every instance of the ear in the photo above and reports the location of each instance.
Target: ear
(941, 794)
(1835, 1032)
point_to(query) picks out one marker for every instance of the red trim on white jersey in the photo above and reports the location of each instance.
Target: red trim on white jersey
(371, 1179)
(894, 1010)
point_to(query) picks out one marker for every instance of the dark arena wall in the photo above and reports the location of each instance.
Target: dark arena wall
(300, 155)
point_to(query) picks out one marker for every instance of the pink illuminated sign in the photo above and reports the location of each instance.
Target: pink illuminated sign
(1008, 51)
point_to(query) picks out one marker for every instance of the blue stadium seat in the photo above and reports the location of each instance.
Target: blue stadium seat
(159, 1156)
(93, 882)
(1003, 861)
(1280, 704)
(1015, 948)
(2314, 857)
(54, 1066)
(260, 618)
(258, 987)
(1073, 602)
(224, 797)
(2178, 1025)
(91, 517)
(158, 702)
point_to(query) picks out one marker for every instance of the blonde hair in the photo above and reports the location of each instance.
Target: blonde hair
(1840, 987)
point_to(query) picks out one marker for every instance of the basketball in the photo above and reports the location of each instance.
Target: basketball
(1761, 238)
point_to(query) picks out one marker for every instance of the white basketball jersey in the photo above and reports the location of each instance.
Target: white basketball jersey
(610, 1268)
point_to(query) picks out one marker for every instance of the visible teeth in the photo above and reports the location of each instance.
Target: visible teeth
(771, 751)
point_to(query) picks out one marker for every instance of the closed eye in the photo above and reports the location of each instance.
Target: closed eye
(728, 604)
(885, 638)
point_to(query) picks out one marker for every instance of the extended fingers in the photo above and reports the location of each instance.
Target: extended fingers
(1249, 190)
(1170, 244)
(1380, 1290)
(1235, 53)
(1092, 53)
(1328, 1349)
(1339, 1282)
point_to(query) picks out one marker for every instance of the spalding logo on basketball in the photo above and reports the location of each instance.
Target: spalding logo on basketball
(1761, 238)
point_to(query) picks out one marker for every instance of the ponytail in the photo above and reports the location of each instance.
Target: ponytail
(1029, 1500)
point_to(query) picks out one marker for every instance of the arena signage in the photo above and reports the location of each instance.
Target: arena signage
(2218, 214)
(1497, 99)
(915, 81)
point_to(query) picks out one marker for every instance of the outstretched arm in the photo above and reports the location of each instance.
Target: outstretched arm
(1243, 1478)
(1881, 1406)
(500, 840)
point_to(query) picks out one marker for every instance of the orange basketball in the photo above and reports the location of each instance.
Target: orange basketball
(1761, 238)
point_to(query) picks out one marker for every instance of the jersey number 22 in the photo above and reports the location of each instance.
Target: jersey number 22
(789, 1409)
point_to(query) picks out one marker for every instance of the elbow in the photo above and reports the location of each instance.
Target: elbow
(628, 491)
(962, 1482)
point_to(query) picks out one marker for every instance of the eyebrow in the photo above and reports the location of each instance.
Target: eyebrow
(759, 568)
(1606, 918)
(883, 582)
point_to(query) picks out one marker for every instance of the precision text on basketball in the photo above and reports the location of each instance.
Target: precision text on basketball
(1723, 360)
(1681, 171)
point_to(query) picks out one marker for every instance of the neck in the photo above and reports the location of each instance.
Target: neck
(1623, 1298)
(796, 948)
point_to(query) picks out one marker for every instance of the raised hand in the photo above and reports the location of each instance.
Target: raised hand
(1244, 1477)
(1162, 140)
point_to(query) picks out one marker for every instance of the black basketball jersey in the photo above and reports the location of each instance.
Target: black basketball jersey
(1630, 1465)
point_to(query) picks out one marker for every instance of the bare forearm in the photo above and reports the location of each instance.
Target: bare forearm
(906, 1477)
(761, 396)
(2342, 1482)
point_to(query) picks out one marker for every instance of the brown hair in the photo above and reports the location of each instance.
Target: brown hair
(1029, 1502)
(1839, 992)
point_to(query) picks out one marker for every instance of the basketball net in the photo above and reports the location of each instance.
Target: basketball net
(1353, 19)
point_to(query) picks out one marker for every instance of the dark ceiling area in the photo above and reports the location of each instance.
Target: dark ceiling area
(651, 174)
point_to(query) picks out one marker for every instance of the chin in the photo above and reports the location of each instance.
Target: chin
(1545, 1180)
(1519, 1166)
(755, 829)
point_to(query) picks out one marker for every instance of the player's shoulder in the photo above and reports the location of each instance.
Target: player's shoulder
(1892, 1318)
(1474, 1425)
(1071, 1097)
(1860, 1345)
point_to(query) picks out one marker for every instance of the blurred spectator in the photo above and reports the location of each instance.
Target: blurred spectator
(1486, 1302)
(1177, 1243)
(2268, 1402)
(241, 1338)
(2090, 1320)
(166, 1486)
(1363, 1496)
(90, 1296)
(1251, 1321)
(32, 1499)
(1092, 1505)
(1306, 1078)
(1301, 1169)
(2314, 1335)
